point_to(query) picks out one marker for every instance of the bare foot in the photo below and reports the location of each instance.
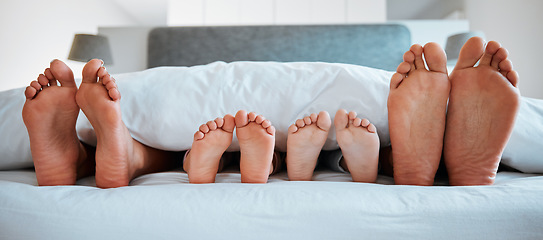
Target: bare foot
(256, 138)
(483, 106)
(304, 144)
(417, 106)
(50, 113)
(117, 157)
(359, 145)
(210, 142)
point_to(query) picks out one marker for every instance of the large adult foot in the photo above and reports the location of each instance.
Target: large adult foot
(50, 113)
(210, 142)
(483, 105)
(359, 143)
(305, 140)
(118, 156)
(256, 138)
(417, 106)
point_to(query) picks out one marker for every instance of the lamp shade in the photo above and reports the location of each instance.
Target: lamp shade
(86, 47)
(455, 43)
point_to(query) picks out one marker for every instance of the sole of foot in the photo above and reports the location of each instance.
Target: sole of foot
(305, 140)
(417, 105)
(116, 151)
(359, 143)
(210, 142)
(483, 105)
(256, 137)
(50, 113)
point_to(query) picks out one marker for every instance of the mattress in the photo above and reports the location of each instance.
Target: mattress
(164, 206)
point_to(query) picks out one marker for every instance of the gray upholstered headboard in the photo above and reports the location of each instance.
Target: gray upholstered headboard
(374, 45)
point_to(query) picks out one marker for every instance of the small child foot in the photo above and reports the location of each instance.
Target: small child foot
(256, 138)
(304, 143)
(210, 142)
(359, 145)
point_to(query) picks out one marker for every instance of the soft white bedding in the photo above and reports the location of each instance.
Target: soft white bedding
(165, 206)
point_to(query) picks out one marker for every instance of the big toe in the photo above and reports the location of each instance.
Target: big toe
(341, 120)
(435, 57)
(241, 118)
(470, 53)
(229, 123)
(62, 73)
(90, 71)
(323, 121)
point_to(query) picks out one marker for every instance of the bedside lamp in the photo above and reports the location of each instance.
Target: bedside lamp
(455, 43)
(86, 47)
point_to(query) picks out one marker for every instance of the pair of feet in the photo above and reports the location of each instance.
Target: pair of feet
(50, 113)
(467, 116)
(256, 137)
(356, 137)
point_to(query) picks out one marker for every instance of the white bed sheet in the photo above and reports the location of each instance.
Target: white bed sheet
(164, 206)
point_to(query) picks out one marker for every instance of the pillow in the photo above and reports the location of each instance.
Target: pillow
(14, 142)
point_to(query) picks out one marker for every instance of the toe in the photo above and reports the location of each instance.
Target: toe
(417, 51)
(62, 73)
(341, 119)
(211, 125)
(271, 130)
(499, 57)
(252, 116)
(229, 123)
(259, 119)
(114, 94)
(357, 122)
(241, 118)
(505, 65)
(323, 121)
(300, 123)
(49, 75)
(435, 57)
(43, 81)
(35, 85)
(30, 92)
(292, 128)
(314, 117)
(266, 124)
(512, 76)
(403, 68)
(102, 72)
(491, 49)
(219, 121)
(198, 135)
(307, 120)
(372, 128)
(90, 71)
(470, 53)
(352, 115)
(395, 80)
(409, 58)
(204, 128)
(365, 122)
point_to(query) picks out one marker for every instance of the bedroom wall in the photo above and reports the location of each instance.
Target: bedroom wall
(34, 32)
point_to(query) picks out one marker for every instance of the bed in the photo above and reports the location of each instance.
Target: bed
(318, 66)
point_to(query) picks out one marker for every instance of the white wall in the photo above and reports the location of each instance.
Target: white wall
(35, 31)
(269, 12)
(517, 26)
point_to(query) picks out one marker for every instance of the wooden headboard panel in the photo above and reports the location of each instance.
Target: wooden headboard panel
(374, 45)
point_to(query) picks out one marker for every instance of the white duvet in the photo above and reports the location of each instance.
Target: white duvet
(163, 107)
